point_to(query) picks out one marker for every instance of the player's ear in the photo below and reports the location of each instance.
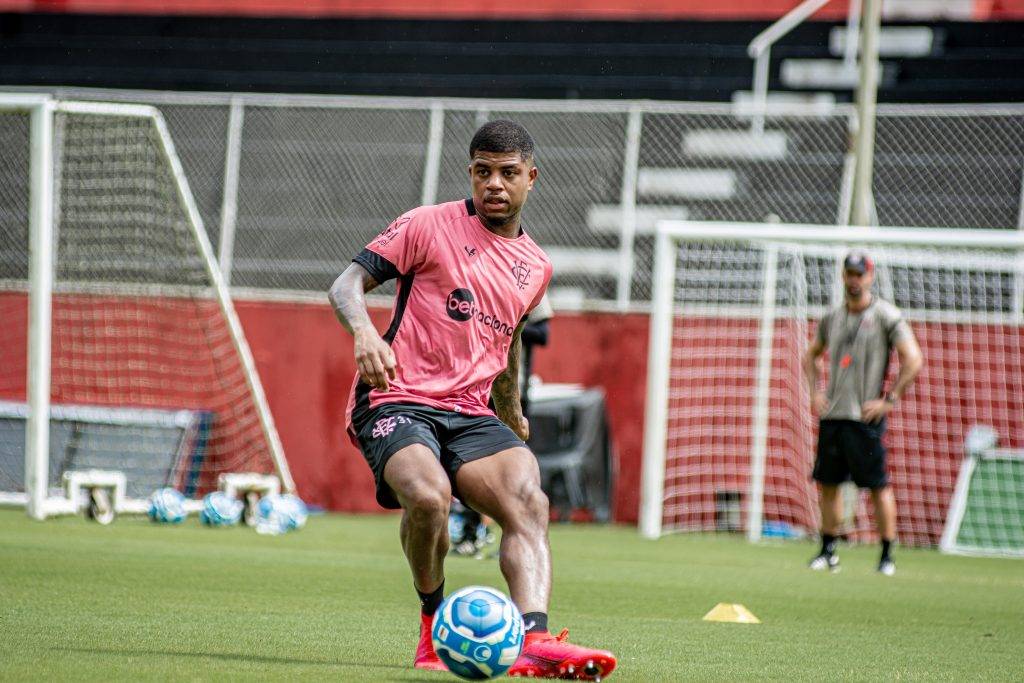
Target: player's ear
(532, 175)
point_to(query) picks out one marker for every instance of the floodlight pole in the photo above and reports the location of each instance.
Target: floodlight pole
(867, 97)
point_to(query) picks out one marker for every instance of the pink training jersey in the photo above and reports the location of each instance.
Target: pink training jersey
(462, 291)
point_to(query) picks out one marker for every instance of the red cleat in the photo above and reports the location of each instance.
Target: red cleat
(548, 656)
(426, 658)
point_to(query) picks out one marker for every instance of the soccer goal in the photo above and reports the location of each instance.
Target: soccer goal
(729, 438)
(120, 349)
(986, 516)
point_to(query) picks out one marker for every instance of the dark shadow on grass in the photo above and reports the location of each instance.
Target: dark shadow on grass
(225, 656)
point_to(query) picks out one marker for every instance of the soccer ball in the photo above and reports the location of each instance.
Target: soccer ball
(478, 633)
(278, 514)
(168, 506)
(220, 509)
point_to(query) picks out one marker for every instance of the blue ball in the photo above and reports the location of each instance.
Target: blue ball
(278, 514)
(167, 506)
(220, 509)
(478, 633)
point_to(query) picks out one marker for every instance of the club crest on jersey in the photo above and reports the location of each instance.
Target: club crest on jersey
(384, 427)
(521, 272)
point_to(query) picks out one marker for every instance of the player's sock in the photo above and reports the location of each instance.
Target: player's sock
(536, 622)
(886, 549)
(429, 602)
(828, 544)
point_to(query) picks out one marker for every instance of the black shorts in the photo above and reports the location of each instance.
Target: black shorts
(454, 438)
(848, 449)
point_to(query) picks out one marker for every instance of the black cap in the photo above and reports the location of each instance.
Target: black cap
(859, 261)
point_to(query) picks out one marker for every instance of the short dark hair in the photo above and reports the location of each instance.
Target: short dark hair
(502, 135)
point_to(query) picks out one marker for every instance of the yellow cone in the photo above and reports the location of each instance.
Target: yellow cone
(733, 613)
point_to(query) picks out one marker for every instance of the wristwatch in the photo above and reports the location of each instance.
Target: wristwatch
(890, 397)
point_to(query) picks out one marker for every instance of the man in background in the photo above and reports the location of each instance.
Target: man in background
(859, 335)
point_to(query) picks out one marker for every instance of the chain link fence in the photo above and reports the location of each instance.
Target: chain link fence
(317, 177)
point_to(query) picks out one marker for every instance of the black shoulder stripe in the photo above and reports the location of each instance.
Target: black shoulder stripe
(377, 266)
(470, 208)
(404, 290)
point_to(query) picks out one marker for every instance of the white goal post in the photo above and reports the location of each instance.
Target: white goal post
(727, 420)
(115, 239)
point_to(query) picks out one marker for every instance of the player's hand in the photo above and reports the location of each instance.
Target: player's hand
(374, 358)
(524, 429)
(518, 424)
(819, 403)
(873, 411)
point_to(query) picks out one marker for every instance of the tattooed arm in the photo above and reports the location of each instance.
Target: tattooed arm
(505, 390)
(374, 357)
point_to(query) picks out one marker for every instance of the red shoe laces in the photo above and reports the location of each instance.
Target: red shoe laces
(559, 638)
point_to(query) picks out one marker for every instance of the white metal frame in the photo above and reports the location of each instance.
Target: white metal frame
(41, 263)
(664, 311)
(958, 506)
(760, 50)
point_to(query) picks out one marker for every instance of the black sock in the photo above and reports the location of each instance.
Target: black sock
(535, 621)
(429, 602)
(886, 549)
(828, 544)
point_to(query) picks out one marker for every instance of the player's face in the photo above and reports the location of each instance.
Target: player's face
(501, 181)
(857, 283)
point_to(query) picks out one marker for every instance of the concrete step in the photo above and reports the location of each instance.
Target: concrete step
(687, 183)
(784, 103)
(584, 261)
(894, 41)
(607, 218)
(829, 74)
(736, 144)
(956, 10)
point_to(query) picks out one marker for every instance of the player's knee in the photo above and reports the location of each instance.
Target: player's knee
(428, 504)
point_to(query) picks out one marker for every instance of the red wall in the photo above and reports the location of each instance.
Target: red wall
(973, 374)
(306, 364)
(525, 9)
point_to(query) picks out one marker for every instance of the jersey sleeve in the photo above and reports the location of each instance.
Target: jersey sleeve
(896, 328)
(397, 251)
(540, 298)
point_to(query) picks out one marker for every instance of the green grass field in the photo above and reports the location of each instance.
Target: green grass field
(334, 601)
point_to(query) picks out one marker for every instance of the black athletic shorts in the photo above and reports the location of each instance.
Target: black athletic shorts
(848, 449)
(454, 438)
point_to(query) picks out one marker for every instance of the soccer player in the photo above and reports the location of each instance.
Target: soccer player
(859, 335)
(467, 278)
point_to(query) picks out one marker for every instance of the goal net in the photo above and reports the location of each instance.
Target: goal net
(120, 349)
(986, 515)
(729, 438)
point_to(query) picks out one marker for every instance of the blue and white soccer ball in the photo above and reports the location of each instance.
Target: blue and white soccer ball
(278, 514)
(167, 505)
(220, 509)
(478, 633)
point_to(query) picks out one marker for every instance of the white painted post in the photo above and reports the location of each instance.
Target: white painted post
(762, 394)
(867, 96)
(432, 162)
(852, 34)
(1018, 281)
(41, 258)
(229, 199)
(627, 200)
(760, 94)
(659, 356)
